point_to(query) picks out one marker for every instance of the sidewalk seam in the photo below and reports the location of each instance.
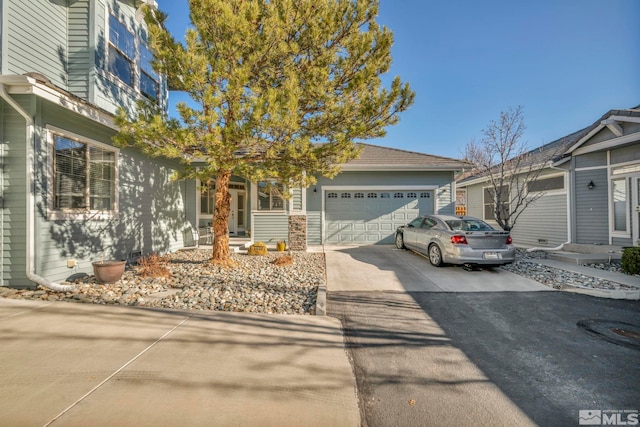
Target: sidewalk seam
(117, 371)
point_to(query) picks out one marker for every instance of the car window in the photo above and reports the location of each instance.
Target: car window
(429, 223)
(469, 225)
(455, 225)
(416, 223)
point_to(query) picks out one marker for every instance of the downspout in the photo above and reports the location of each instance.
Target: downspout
(30, 208)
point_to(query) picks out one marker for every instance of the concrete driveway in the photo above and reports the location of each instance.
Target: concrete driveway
(385, 268)
(84, 364)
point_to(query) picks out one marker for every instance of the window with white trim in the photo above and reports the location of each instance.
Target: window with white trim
(619, 200)
(84, 176)
(149, 79)
(270, 196)
(130, 60)
(553, 183)
(489, 202)
(122, 51)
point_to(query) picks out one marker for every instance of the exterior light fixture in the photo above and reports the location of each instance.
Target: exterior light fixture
(591, 185)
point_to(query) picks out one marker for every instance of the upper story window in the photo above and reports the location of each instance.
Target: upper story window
(122, 51)
(84, 176)
(149, 79)
(130, 60)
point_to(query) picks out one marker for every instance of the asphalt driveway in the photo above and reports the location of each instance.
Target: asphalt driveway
(385, 268)
(452, 347)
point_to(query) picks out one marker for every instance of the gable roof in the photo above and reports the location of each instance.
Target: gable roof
(375, 157)
(553, 151)
(611, 121)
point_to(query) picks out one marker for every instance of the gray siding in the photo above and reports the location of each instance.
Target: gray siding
(626, 154)
(620, 241)
(151, 215)
(37, 32)
(314, 228)
(475, 206)
(269, 228)
(445, 200)
(591, 160)
(14, 190)
(79, 56)
(604, 135)
(543, 223)
(591, 207)
(296, 199)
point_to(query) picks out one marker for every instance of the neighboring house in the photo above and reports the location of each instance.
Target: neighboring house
(590, 187)
(70, 197)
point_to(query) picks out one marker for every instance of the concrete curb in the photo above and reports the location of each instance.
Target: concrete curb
(603, 293)
(321, 296)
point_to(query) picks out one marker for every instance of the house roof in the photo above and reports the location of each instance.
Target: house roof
(609, 120)
(553, 151)
(375, 157)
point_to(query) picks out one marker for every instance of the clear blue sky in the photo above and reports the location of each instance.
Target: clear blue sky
(567, 62)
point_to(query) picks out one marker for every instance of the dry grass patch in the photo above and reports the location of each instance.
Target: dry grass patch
(153, 265)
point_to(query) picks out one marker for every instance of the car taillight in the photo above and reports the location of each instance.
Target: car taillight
(509, 240)
(458, 240)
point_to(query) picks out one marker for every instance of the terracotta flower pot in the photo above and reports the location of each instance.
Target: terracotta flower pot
(108, 271)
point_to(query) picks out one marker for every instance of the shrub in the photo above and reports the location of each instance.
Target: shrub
(153, 266)
(631, 260)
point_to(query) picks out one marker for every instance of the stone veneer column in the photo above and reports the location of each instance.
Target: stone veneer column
(298, 232)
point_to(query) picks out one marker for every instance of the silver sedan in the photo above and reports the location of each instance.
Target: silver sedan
(456, 240)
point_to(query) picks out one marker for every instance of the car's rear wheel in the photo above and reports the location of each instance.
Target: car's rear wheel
(400, 241)
(435, 255)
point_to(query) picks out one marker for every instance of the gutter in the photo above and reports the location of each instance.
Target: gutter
(30, 208)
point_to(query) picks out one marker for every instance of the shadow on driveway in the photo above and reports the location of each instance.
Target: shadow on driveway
(476, 357)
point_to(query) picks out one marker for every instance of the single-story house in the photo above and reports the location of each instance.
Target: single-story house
(590, 187)
(70, 197)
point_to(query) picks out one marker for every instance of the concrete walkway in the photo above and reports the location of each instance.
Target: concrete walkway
(76, 365)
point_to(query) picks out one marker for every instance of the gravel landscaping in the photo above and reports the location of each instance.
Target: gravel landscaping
(526, 266)
(256, 284)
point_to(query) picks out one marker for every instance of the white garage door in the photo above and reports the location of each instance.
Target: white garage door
(368, 217)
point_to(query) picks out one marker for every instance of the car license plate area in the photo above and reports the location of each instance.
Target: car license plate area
(492, 255)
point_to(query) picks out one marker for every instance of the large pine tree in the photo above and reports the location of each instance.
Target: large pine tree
(283, 89)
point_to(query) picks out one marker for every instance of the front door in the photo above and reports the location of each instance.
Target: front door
(635, 209)
(236, 216)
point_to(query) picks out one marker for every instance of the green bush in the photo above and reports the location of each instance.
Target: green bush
(631, 260)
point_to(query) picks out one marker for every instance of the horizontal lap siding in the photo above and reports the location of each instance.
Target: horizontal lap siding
(592, 218)
(37, 33)
(14, 196)
(314, 228)
(270, 228)
(151, 213)
(545, 219)
(80, 56)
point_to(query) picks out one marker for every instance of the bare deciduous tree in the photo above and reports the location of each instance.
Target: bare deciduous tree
(504, 159)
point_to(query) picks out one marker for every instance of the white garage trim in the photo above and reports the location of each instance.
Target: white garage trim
(344, 188)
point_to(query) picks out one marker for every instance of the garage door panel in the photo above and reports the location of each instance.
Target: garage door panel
(372, 216)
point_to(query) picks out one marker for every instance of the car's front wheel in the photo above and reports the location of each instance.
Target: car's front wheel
(400, 241)
(435, 255)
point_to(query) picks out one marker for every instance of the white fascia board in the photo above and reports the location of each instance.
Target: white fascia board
(585, 138)
(408, 168)
(607, 145)
(23, 85)
(604, 123)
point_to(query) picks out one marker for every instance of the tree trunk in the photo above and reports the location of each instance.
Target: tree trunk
(220, 219)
